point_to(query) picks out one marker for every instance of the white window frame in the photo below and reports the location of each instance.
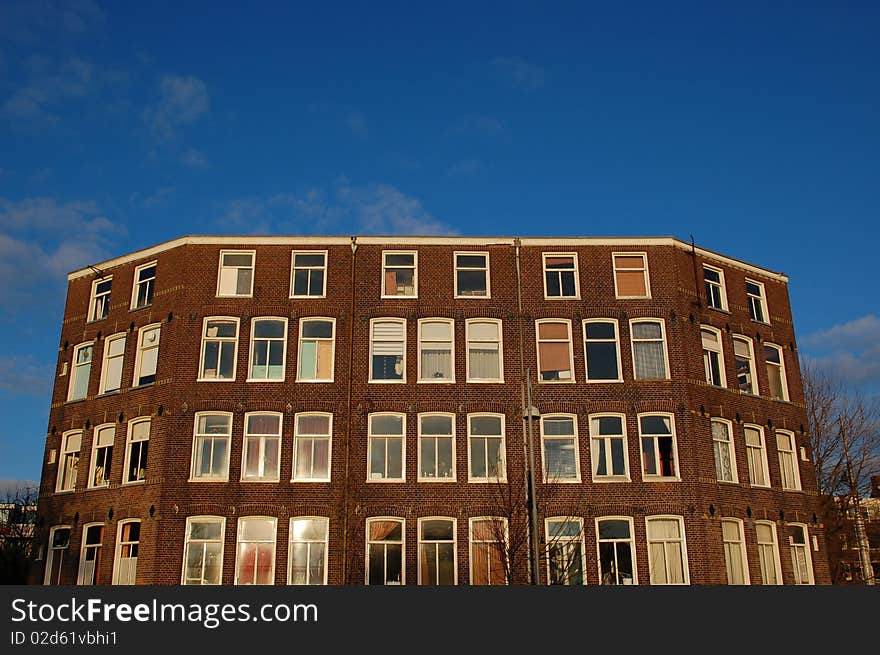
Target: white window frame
(577, 275)
(683, 541)
(469, 341)
(368, 542)
(551, 541)
(569, 341)
(129, 441)
(117, 555)
(80, 579)
(502, 448)
(221, 340)
(389, 319)
(105, 298)
(252, 268)
(632, 548)
(720, 285)
(795, 465)
(238, 542)
(149, 281)
(415, 267)
(616, 325)
(455, 269)
(731, 448)
(644, 269)
(451, 436)
(93, 459)
(105, 359)
(774, 559)
(503, 546)
(782, 373)
(431, 380)
(262, 438)
(707, 358)
(270, 340)
(808, 557)
(296, 439)
(326, 543)
(77, 370)
(760, 300)
(421, 542)
(190, 520)
(740, 544)
(594, 449)
(139, 353)
(633, 341)
(331, 339)
(63, 451)
(753, 369)
(209, 478)
(294, 268)
(577, 450)
(370, 437)
(659, 477)
(762, 453)
(51, 554)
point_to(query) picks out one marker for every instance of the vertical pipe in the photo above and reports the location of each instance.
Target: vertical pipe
(345, 499)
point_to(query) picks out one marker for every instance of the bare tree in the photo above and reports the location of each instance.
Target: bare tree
(18, 508)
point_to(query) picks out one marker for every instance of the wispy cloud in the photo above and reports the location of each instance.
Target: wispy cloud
(22, 375)
(193, 158)
(479, 124)
(851, 350)
(518, 73)
(48, 85)
(155, 199)
(356, 122)
(469, 168)
(30, 23)
(182, 100)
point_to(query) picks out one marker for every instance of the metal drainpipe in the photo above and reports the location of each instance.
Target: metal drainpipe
(351, 318)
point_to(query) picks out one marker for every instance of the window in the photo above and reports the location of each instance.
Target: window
(211, 446)
(385, 555)
(768, 553)
(776, 372)
(386, 447)
(471, 275)
(436, 351)
(90, 554)
(788, 464)
(722, 446)
(801, 562)
(667, 554)
(734, 551)
(308, 276)
(560, 275)
(111, 367)
(137, 448)
(261, 459)
(268, 349)
(565, 550)
(486, 448)
(488, 536)
(127, 544)
(68, 461)
(102, 456)
(387, 350)
(59, 542)
(554, 351)
(144, 283)
(436, 447)
(659, 451)
(608, 448)
(602, 350)
(219, 349)
(307, 552)
(484, 352)
(631, 275)
(744, 355)
(756, 453)
(560, 448)
(147, 355)
(649, 349)
(757, 301)
(255, 552)
(236, 276)
(713, 357)
(437, 562)
(399, 274)
(617, 563)
(317, 344)
(99, 304)
(311, 450)
(716, 296)
(203, 550)
(82, 366)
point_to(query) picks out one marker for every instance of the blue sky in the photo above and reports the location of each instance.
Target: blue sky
(754, 128)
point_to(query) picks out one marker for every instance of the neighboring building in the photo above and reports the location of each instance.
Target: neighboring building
(350, 410)
(843, 542)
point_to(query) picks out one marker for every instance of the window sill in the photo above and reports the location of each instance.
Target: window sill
(96, 320)
(65, 491)
(386, 381)
(660, 479)
(760, 322)
(143, 386)
(273, 381)
(501, 381)
(632, 297)
(133, 483)
(75, 400)
(209, 480)
(437, 381)
(310, 481)
(137, 309)
(235, 295)
(572, 381)
(606, 480)
(112, 392)
(438, 480)
(305, 381)
(472, 297)
(730, 482)
(103, 486)
(386, 481)
(321, 297)
(565, 481)
(562, 297)
(215, 379)
(487, 480)
(603, 381)
(261, 481)
(399, 297)
(719, 309)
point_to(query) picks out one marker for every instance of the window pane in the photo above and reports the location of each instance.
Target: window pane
(602, 361)
(317, 329)
(486, 425)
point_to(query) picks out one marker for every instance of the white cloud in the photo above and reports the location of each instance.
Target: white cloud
(28, 22)
(851, 350)
(49, 85)
(182, 101)
(518, 73)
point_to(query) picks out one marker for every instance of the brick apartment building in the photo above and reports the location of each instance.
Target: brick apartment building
(350, 410)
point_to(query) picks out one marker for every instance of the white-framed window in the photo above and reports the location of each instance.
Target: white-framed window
(387, 445)
(312, 446)
(602, 350)
(648, 336)
(68, 460)
(385, 554)
(59, 542)
(735, 560)
(437, 551)
(219, 349)
(203, 550)
(400, 274)
(268, 353)
(488, 545)
(716, 294)
(801, 560)
(756, 453)
(559, 444)
(631, 279)
(436, 350)
(486, 449)
(211, 435)
(147, 356)
(128, 538)
(308, 274)
(143, 286)
(484, 350)
(99, 302)
(235, 276)
(472, 275)
(307, 551)
(744, 355)
(137, 447)
(565, 550)
(388, 350)
(722, 447)
(436, 447)
(757, 301)
(102, 455)
(608, 448)
(768, 553)
(255, 550)
(555, 361)
(789, 470)
(713, 356)
(667, 551)
(111, 367)
(617, 553)
(317, 350)
(261, 455)
(82, 367)
(561, 275)
(659, 448)
(776, 371)
(90, 554)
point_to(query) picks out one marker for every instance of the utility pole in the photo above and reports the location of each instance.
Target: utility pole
(861, 537)
(530, 413)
